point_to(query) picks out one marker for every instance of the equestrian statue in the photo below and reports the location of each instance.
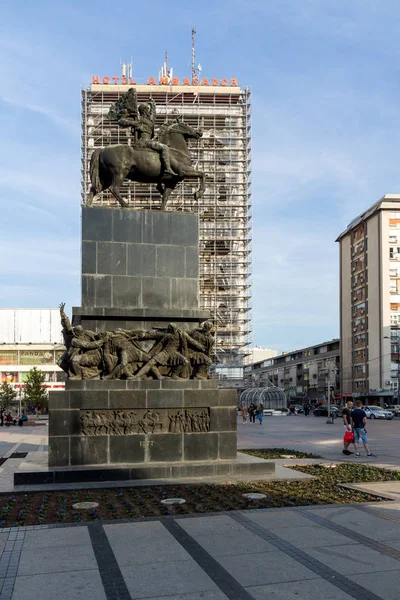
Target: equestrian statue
(164, 161)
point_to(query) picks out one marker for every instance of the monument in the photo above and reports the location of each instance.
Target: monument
(138, 402)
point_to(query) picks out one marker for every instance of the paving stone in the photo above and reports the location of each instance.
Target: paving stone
(310, 537)
(277, 519)
(386, 509)
(85, 585)
(298, 590)
(209, 525)
(56, 559)
(393, 544)
(385, 585)
(3, 541)
(68, 536)
(362, 522)
(141, 543)
(168, 579)
(195, 596)
(264, 568)
(227, 537)
(352, 559)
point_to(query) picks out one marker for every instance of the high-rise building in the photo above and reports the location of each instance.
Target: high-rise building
(221, 109)
(370, 300)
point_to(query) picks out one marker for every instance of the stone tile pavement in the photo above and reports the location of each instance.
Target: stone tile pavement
(333, 552)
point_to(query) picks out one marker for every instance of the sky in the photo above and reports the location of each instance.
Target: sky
(325, 84)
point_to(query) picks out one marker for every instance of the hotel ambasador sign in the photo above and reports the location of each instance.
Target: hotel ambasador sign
(96, 80)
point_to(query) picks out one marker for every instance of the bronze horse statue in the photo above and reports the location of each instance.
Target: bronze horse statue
(110, 166)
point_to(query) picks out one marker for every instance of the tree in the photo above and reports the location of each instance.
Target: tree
(34, 392)
(7, 394)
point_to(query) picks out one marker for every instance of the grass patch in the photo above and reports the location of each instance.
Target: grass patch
(131, 503)
(269, 453)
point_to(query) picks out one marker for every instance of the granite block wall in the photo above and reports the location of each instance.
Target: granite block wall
(139, 259)
(69, 446)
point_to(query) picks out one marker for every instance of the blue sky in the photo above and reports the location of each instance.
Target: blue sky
(325, 85)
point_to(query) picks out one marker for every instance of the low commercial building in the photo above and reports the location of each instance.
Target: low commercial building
(304, 375)
(31, 338)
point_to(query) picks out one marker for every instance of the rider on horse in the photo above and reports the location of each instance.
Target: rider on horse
(141, 120)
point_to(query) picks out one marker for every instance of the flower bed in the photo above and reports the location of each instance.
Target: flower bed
(130, 503)
(270, 453)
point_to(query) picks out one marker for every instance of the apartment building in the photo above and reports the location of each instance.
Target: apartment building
(370, 301)
(305, 374)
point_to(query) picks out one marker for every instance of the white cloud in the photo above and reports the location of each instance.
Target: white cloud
(35, 255)
(69, 125)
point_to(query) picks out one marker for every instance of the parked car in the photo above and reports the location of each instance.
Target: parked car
(376, 412)
(322, 411)
(395, 409)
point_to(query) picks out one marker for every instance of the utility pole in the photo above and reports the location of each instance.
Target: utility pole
(329, 420)
(328, 391)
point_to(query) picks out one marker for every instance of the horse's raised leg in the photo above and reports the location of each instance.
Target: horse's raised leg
(189, 172)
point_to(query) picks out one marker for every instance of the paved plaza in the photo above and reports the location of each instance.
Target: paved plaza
(312, 434)
(332, 552)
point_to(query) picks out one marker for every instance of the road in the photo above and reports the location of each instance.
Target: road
(312, 434)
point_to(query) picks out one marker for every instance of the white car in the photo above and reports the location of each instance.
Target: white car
(376, 412)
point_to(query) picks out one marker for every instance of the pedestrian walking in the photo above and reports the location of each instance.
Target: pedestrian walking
(252, 413)
(244, 413)
(260, 412)
(306, 409)
(359, 421)
(348, 430)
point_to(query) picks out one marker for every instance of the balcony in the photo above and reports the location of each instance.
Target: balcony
(359, 360)
(360, 344)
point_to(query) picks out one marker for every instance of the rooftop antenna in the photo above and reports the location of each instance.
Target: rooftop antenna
(126, 69)
(165, 72)
(193, 54)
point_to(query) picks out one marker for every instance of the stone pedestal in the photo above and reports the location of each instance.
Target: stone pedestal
(141, 422)
(140, 271)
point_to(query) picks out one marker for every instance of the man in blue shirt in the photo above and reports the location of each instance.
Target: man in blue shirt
(359, 420)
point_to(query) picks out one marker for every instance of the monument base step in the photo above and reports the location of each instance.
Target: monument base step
(243, 466)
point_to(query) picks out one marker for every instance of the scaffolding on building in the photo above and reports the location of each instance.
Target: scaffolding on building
(225, 210)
